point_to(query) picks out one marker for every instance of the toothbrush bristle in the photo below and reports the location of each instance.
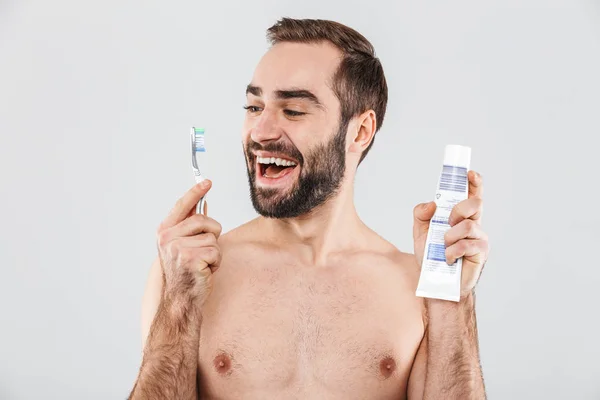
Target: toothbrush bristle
(199, 140)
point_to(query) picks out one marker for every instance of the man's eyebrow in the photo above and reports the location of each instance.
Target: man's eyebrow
(292, 93)
(295, 93)
(255, 90)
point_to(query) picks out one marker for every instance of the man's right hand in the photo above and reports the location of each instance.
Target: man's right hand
(188, 250)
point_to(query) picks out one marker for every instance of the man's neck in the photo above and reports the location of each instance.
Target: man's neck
(329, 229)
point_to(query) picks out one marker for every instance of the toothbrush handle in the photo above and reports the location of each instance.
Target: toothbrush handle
(201, 206)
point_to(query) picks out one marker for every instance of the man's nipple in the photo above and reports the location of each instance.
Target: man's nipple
(222, 364)
(387, 366)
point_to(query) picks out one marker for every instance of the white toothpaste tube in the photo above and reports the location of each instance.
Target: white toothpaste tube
(439, 280)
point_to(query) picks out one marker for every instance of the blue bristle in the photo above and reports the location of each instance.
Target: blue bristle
(199, 140)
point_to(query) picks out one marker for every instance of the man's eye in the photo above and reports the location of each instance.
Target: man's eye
(293, 113)
(252, 109)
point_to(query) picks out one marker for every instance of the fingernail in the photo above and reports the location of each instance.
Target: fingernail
(204, 183)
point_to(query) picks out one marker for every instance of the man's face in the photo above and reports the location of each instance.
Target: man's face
(293, 138)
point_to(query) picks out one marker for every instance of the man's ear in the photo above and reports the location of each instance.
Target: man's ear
(362, 132)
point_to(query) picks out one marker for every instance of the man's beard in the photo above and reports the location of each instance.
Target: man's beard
(321, 175)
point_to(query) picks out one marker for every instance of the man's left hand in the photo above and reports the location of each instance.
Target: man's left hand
(464, 239)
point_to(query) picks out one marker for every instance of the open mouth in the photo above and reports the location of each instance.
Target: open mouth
(274, 167)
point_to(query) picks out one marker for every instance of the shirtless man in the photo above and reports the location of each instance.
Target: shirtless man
(307, 302)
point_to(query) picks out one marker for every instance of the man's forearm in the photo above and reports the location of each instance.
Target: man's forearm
(170, 365)
(453, 366)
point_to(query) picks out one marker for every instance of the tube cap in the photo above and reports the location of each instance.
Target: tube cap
(458, 156)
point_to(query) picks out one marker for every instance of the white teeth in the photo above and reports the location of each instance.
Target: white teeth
(276, 161)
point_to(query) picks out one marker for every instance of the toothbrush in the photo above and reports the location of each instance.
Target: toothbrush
(197, 135)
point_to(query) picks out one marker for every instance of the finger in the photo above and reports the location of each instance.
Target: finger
(476, 248)
(188, 244)
(198, 223)
(212, 255)
(200, 250)
(471, 208)
(475, 184)
(193, 210)
(194, 225)
(174, 237)
(201, 240)
(186, 204)
(466, 229)
(191, 213)
(194, 249)
(422, 215)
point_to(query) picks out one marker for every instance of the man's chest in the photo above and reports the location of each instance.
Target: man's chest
(276, 328)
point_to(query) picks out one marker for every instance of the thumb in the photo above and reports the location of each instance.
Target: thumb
(423, 214)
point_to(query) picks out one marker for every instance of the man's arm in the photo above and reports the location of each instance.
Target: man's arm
(170, 364)
(152, 297)
(179, 283)
(447, 364)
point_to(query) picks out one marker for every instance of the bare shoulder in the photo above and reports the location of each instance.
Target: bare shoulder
(241, 246)
(240, 231)
(398, 268)
(245, 234)
(393, 272)
(386, 252)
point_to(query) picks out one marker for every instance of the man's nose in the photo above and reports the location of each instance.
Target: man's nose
(265, 129)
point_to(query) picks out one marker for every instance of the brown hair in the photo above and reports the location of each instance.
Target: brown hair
(359, 83)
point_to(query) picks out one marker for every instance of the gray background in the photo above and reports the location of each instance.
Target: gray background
(96, 99)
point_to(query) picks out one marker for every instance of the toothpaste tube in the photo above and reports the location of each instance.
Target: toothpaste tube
(439, 280)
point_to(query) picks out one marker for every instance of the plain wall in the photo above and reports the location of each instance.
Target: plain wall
(96, 101)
